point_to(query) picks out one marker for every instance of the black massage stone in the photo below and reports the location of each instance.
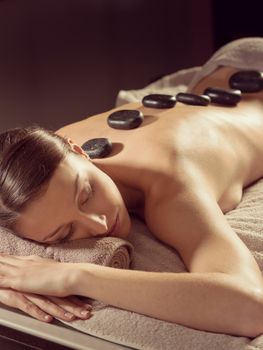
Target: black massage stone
(247, 81)
(97, 148)
(192, 99)
(125, 119)
(223, 97)
(159, 101)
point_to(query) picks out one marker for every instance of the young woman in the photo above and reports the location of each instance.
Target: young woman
(180, 171)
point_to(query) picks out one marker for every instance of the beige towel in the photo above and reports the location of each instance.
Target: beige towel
(107, 251)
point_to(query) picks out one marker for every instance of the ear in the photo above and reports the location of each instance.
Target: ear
(76, 148)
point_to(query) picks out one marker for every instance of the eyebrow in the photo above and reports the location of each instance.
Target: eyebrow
(76, 187)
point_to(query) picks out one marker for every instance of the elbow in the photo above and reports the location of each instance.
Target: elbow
(253, 329)
(251, 321)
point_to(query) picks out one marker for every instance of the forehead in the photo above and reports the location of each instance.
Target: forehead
(50, 209)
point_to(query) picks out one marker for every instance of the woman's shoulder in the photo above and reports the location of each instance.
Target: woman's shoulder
(186, 178)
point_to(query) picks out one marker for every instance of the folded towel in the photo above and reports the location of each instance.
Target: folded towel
(107, 251)
(245, 53)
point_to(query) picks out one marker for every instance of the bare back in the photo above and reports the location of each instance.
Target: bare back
(222, 146)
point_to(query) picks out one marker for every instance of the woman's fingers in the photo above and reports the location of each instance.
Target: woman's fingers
(61, 308)
(81, 301)
(77, 308)
(45, 308)
(19, 301)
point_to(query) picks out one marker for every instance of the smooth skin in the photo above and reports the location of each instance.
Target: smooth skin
(180, 171)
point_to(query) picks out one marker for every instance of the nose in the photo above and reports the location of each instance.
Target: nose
(96, 224)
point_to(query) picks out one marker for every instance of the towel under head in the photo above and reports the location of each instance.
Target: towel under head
(107, 251)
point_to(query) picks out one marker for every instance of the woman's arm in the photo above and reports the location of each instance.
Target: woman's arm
(214, 302)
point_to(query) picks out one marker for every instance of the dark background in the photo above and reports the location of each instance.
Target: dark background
(64, 60)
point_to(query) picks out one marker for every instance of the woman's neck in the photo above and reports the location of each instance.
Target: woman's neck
(133, 198)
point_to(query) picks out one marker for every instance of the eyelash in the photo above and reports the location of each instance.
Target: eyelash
(71, 231)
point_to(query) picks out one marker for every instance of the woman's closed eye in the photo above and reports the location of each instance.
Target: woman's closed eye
(89, 192)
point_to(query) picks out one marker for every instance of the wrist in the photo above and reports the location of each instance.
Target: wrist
(71, 278)
(77, 280)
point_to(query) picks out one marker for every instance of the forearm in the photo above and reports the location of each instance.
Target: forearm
(211, 301)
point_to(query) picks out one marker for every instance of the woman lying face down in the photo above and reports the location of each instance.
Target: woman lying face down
(185, 167)
(76, 199)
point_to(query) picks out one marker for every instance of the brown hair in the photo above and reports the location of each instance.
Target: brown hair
(28, 159)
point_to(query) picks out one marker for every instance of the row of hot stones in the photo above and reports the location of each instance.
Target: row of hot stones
(247, 81)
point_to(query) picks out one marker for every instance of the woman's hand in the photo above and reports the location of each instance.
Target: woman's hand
(45, 308)
(33, 274)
